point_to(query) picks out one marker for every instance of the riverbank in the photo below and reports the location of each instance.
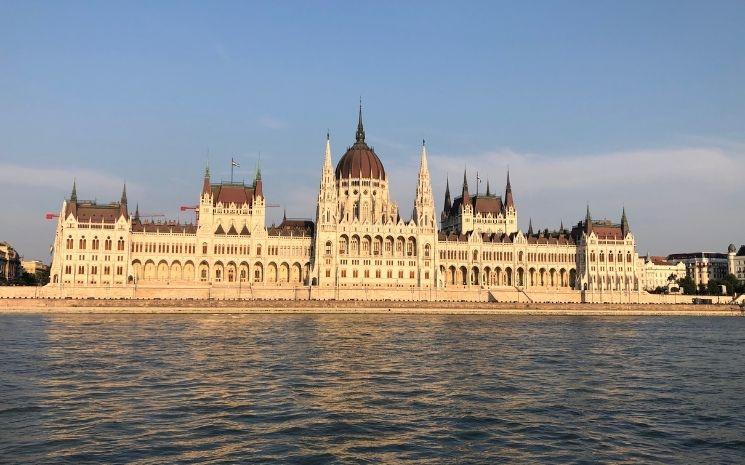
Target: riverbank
(175, 306)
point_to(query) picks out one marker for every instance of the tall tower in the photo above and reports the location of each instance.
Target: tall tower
(324, 256)
(424, 217)
(424, 204)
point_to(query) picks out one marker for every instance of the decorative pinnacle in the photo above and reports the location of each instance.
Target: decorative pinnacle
(360, 128)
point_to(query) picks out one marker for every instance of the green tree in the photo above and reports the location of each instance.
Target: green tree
(687, 284)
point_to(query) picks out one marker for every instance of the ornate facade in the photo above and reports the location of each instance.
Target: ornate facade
(359, 240)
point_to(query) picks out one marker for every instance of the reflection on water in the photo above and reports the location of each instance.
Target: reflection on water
(370, 389)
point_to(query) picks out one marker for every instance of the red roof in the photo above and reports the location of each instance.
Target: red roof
(360, 161)
(238, 194)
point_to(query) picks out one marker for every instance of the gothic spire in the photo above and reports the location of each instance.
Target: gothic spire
(624, 223)
(206, 182)
(360, 128)
(466, 198)
(123, 200)
(137, 212)
(448, 201)
(327, 153)
(530, 227)
(561, 226)
(508, 200)
(74, 193)
(488, 191)
(588, 221)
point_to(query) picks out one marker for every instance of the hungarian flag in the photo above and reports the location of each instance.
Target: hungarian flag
(234, 163)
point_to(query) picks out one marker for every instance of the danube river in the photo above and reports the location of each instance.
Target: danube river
(391, 389)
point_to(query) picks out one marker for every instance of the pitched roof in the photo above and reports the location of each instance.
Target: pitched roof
(87, 211)
(227, 193)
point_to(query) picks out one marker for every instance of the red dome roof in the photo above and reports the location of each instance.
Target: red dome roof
(360, 160)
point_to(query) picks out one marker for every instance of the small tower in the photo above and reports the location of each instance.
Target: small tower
(448, 205)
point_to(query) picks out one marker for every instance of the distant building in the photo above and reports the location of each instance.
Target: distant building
(39, 269)
(736, 261)
(661, 272)
(10, 262)
(702, 267)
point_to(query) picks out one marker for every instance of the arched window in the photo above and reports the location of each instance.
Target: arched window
(69, 242)
(81, 243)
(258, 250)
(628, 257)
(107, 244)
(204, 248)
(328, 247)
(602, 256)
(427, 250)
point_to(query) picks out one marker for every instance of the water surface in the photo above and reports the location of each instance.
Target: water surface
(162, 389)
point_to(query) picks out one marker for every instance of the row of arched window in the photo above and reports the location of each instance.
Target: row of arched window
(377, 246)
(610, 257)
(95, 243)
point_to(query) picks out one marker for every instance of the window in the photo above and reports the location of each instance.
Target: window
(81, 243)
(69, 242)
(328, 247)
(204, 248)
(107, 244)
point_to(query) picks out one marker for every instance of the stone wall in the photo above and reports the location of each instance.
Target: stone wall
(393, 294)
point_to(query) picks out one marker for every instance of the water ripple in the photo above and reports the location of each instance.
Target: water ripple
(324, 389)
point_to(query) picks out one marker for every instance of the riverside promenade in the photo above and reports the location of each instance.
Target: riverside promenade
(178, 306)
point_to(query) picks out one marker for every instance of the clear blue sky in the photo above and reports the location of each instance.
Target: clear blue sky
(635, 103)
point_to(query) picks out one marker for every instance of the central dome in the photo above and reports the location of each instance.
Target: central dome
(360, 161)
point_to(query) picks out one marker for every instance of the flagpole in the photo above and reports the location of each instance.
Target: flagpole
(232, 165)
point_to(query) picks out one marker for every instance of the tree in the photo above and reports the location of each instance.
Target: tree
(732, 283)
(688, 286)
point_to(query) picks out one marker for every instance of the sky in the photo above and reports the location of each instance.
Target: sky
(635, 104)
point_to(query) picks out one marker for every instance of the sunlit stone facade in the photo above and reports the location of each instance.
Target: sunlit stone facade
(357, 241)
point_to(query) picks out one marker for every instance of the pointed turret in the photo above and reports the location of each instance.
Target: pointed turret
(465, 196)
(588, 221)
(561, 227)
(258, 183)
(360, 136)
(530, 227)
(327, 154)
(624, 223)
(137, 212)
(123, 202)
(74, 193)
(448, 202)
(508, 201)
(488, 190)
(206, 182)
(284, 215)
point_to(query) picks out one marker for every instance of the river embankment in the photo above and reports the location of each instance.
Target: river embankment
(178, 306)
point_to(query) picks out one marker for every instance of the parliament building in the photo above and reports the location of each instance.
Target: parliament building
(358, 246)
